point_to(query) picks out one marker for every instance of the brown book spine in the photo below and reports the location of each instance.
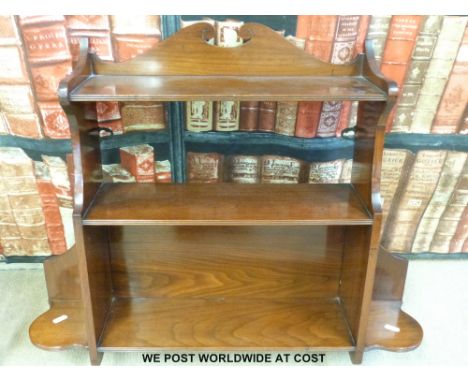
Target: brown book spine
(199, 116)
(308, 116)
(139, 161)
(452, 215)
(244, 169)
(281, 170)
(267, 116)
(249, 115)
(461, 234)
(455, 96)
(406, 212)
(344, 48)
(204, 167)
(227, 115)
(286, 118)
(143, 116)
(399, 46)
(51, 210)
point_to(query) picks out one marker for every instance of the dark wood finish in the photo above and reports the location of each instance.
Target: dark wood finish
(226, 204)
(227, 266)
(253, 262)
(223, 323)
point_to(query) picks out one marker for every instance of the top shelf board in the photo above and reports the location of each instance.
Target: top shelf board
(186, 67)
(214, 88)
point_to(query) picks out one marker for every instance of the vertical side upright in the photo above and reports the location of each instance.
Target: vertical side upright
(91, 242)
(361, 251)
(170, 25)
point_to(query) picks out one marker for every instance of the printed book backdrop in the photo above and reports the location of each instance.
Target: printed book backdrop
(425, 167)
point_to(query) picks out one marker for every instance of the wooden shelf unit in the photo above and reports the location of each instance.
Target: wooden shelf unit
(226, 266)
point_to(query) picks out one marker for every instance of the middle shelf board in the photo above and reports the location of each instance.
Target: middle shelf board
(219, 88)
(226, 204)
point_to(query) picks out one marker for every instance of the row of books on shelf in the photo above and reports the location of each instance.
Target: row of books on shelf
(36, 52)
(424, 195)
(426, 55)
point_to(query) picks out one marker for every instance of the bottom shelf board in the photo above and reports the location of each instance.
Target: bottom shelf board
(217, 324)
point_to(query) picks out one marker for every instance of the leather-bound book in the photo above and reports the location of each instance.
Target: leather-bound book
(51, 210)
(115, 173)
(452, 215)
(399, 46)
(410, 204)
(226, 116)
(281, 170)
(461, 234)
(455, 96)
(162, 171)
(55, 122)
(22, 226)
(343, 52)
(420, 59)
(435, 80)
(23, 125)
(286, 118)
(267, 116)
(244, 169)
(377, 33)
(249, 115)
(396, 164)
(449, 176)
(308, 116)
(204, 167)
(326, 172)
(138, 116)
(199, 116)
(139, 161)
(127, 47)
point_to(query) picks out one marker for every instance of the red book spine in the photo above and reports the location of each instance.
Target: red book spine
(308, 116)
(139, 161)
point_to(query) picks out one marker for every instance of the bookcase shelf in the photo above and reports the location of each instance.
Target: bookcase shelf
(226, 204)
(225, 265)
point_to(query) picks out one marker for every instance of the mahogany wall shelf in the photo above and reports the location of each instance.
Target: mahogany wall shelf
(225, 266)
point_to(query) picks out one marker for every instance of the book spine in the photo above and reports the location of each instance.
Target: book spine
(139, 161)
(346, 172)
(51, 210)
(227, 115)
(199, 116)
(286, 118)
(396, 164)
(399, 46)
(50, 60)
(244, 169)
(420, 60)
(326, 172)
(452, 215)
(461, 234)
(378, 32)
(162, 171)
(60, 177)
(204, 167)
(463, 125)
(308, 116)
(344, 48)
(20, 193)
(438, 72)
(143, 116)
(408, 209)
(455, 96)
(427, 226)
(267, 116)
(281, 170)
(249, 115)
